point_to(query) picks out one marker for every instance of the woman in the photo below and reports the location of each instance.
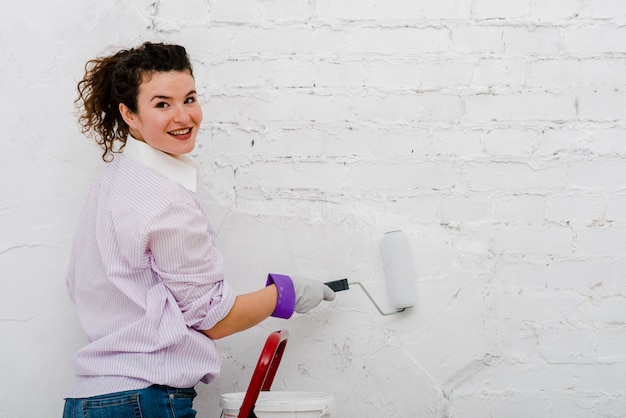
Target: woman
(144, 275)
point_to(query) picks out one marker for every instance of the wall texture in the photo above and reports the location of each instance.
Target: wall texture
(491, 131)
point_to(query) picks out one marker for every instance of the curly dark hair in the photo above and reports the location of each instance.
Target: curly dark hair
(115, 79)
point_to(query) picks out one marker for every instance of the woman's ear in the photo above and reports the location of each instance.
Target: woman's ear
(127, 115)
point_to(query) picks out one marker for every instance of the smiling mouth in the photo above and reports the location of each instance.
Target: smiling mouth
(180, 132)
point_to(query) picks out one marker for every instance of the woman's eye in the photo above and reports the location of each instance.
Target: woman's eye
(161, 105)
(190, 100)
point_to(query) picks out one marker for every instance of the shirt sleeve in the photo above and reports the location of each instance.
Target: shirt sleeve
(182, 253)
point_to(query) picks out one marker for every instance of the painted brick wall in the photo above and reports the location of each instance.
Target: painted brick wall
(492, 132)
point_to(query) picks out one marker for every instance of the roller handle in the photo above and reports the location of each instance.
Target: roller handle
(338, 285)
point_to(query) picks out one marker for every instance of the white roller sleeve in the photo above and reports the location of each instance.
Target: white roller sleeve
(399, 269)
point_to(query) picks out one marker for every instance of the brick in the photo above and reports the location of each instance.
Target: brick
(603, 72)
(556, 10)
(509, 141)
(580, 209)
(289, 175)
(602, 106)
(521, 377)
(240, 11)
(531, 41)
(336, 73)
(396, 40)
(611, 345)
(204, 42)
(462, 209)
(499, 72)
(194, 10)
(612, 283)
(560, 141)
(579, 275)
(609, 377)
(458, 143)
(416, 75)
(513, 176)
(418, 209)
(573, 346)
(284, 40)
(597, 175)
(385, 142)
(606, 241)
(346, 9)
(288, 72)
(594, 39)
(494, 9)
(533, 240)
(253, 10)
(445, 75)
(524, 275)
(402, 176)
(244, 73)
(477, 39)
(616, 209)
(606, 9)
(517, 405)
(577, 404)
(234, 144)
(284, 107)
(554, 73)
(519, 209)
(444, 9)
(521, 107)
(408, 107)
(398, 10)
(608, 142)
(393, 74)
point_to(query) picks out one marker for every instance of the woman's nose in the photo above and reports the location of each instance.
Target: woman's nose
(182, 115)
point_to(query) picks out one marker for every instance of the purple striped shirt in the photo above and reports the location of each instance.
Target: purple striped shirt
(144, 276)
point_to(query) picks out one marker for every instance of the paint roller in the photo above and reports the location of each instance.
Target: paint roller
(399, 272)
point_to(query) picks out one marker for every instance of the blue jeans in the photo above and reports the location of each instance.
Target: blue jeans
(153, 402)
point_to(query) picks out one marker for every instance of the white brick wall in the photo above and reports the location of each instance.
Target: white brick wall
(491, 131)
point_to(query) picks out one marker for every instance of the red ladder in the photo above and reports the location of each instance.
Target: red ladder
(264, 372)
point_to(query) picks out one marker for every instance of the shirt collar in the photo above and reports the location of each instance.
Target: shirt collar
(177, 168)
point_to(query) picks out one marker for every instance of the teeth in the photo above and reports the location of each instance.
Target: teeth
(181, 132)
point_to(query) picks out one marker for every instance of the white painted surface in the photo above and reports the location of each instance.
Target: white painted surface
(492, 132)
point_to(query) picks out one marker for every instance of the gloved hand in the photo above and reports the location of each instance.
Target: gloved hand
(310, 293)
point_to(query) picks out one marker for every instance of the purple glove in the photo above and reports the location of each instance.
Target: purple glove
(286, 295)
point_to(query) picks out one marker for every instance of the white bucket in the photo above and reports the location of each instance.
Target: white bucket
(276, 404)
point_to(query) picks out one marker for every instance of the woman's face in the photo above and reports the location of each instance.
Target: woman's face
(168, 113)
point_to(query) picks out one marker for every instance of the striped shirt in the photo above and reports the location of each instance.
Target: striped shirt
(144, 276)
